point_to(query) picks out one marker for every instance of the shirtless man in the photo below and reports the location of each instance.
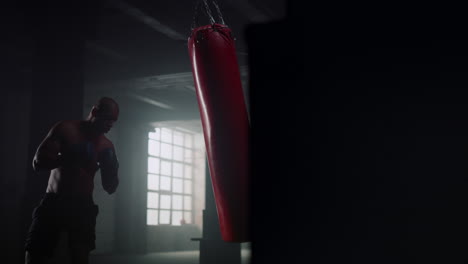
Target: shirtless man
(73, 151)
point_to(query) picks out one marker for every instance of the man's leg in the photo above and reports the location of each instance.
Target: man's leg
(82, 235)
(79, 254)
(32, 258)
(42, 236)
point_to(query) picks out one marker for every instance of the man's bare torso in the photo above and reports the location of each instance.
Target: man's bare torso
(81, 152)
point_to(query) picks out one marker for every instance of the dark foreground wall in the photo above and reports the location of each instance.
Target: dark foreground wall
(360, 149)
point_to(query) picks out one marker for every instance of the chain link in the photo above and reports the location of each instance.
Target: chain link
(208, 12)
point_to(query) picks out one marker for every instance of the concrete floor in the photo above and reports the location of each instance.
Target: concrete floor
(180, 257)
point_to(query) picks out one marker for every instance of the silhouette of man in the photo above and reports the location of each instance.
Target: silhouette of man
(73, 151)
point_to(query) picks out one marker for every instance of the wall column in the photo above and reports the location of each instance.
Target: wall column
(59, 31)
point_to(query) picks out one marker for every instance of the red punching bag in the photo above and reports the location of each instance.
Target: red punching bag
(225, 125)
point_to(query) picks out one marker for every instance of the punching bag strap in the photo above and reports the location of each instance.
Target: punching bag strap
(207, 9)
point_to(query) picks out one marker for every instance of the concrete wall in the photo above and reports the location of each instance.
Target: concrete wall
(14, 113)
(172, 238)
(121, 223)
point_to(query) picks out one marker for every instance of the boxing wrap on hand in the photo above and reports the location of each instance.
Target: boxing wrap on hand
(109, 167)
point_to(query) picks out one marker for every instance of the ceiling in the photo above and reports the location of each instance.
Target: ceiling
(149, 37)
(139, 49)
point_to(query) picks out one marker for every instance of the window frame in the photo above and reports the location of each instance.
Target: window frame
(184, 162)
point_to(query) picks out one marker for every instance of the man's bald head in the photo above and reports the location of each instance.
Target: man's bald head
(104, 114)
(107, 105)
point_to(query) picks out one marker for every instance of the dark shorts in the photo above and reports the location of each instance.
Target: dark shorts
(56, 214)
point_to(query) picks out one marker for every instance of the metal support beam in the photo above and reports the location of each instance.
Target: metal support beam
(150, 101)
(105, 51)
(147, 20)
(250, 11)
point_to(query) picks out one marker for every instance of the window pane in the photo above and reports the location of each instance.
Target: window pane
(177, 202)
(178, 153)
(177, 185)
(188, 141)
(153, 200)
(187, 203)
(178, 138)
(156, 134)
(176, 217)
(166, 151)
(188, 187)
(188, 217)
(151, 217)
(188, 156)
(164, 217)
(153, 182)
(166, 135)
(166, 168)
(188, 172)
(153, 147)
(165, 201)
(165, 183)
(153, 165)
(178, 169)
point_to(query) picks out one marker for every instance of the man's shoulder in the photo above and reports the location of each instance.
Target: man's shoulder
(68, 123)
(106, 143)
(65, 125)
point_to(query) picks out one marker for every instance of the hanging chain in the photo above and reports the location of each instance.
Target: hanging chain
(219, 12)
(195, 15)
(208, 12)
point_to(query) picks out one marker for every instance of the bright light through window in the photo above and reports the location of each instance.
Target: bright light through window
(170, 179)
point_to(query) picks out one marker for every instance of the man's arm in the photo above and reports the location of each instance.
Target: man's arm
(109, 165)
(47, 154)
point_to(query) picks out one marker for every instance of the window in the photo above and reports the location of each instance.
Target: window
(170, 177)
